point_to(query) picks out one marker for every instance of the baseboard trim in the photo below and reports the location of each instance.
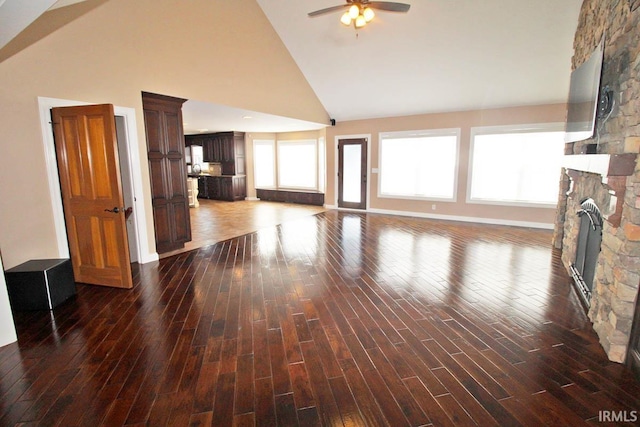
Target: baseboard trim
(491, 221)
(151, 257)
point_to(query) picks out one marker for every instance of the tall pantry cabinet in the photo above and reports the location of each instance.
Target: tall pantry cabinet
(167, 171)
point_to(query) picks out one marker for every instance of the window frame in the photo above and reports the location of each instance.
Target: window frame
(506, 129)
(321, 165)
(417, 134)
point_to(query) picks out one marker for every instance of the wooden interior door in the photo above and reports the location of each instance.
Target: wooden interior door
(89, 169)
(352, 173)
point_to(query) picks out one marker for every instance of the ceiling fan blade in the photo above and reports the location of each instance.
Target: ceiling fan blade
(389, 6)
(328, 10)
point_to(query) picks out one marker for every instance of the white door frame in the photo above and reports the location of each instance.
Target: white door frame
(337, 139)
(144, 253)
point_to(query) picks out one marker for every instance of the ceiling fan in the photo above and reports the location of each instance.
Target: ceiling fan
(360, 12)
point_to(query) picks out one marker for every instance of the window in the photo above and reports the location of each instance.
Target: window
(419, 165)
(298, 164)
(512, 165)
(264, 162)
(294, 165)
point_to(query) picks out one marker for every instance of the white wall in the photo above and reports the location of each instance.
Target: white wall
(7, 327)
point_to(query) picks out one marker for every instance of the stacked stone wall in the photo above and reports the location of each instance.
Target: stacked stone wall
(618, 270)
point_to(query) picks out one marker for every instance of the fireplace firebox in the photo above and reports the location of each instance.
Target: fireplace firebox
(588, 247)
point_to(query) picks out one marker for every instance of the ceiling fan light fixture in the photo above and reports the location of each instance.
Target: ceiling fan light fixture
(360, 12)
(346, 19)
(354, 11)
(368, 14)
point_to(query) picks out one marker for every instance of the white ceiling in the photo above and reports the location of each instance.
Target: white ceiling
(202, 117)
(16, 15)
(443, 55)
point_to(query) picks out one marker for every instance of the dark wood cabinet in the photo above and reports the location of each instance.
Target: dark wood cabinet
(226, 148)
(202, 187)
(205, 142)
(226, 143)
(230, 152)
(212, 150)
(306, 198)
(239, 156)
(233, 187)
(168, 174)
(207, 154)
(224, 187)
(213, 187)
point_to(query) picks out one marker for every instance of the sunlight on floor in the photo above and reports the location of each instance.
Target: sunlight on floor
(215, 221)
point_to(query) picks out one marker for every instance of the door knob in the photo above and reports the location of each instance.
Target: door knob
(114, 210)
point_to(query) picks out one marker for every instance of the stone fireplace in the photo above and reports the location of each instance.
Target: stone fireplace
(614, 286)
(611, 176)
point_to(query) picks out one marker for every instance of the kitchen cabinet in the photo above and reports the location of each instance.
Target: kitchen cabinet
(204, 140)
(226, 148)
(202, 187)
(233, 187)
(213, 150)
(223, 187)
(232, 156)
(213, 187)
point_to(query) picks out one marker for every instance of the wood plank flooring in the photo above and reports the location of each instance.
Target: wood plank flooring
(336, 319)
(215, 220)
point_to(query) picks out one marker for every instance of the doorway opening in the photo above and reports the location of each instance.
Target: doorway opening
(127, 185)
(352, 173)
(129, 157)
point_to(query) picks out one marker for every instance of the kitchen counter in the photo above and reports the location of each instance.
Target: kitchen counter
(196, 175)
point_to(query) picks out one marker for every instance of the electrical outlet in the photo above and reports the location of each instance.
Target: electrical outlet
(433, 207)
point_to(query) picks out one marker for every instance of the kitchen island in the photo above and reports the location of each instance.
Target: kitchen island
(222, 187)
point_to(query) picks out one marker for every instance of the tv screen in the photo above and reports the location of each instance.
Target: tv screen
(584, 92)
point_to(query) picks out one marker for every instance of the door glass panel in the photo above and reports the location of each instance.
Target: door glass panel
(352, 173)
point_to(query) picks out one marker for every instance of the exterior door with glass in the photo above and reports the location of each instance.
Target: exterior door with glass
(352, 173)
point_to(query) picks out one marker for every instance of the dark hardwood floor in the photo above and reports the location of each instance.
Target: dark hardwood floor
(333, 319)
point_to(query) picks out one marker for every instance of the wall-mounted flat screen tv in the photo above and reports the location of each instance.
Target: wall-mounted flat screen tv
(584, 93)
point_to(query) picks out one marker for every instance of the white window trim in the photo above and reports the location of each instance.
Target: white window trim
(277, 169)
(419, 133)
(271, 142)
(321, 177)
(489, 130)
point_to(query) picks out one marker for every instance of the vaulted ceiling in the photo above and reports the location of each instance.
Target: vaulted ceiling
(443, 55)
